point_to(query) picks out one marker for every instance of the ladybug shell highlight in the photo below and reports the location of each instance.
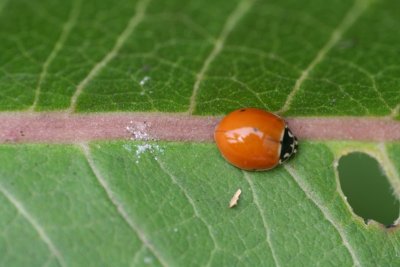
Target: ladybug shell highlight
(254, 139)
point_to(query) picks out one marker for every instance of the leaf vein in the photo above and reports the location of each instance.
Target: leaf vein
(390, 170)
(120, 207)
(395, 111)
(328, 216)
(266, 226)
(192, 203)
(350, 97)
(254, 93)
(349, 19)
(38, 228)
(69, 24)
(369, 75)
(243, 7)
(137, 18)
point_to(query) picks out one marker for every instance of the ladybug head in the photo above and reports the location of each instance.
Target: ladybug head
(289, 145)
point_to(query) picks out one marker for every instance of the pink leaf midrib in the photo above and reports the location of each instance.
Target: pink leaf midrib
(53, 127)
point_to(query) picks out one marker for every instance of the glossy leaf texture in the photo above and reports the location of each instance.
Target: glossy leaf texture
(156, 203)
(102, 205)
(202, 57)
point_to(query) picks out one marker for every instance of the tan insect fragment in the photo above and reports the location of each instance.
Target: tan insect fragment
(235, 198)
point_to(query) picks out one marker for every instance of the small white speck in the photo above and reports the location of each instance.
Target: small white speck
(143, 83)
(335, 164)
(148, 260)
(144, 80)
(175, 230)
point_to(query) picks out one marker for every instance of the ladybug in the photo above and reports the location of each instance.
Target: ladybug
(255, 139)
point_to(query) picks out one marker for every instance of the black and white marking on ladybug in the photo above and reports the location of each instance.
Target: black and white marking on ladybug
(289, 145)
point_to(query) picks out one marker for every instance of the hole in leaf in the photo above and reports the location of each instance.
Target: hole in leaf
(367, 189)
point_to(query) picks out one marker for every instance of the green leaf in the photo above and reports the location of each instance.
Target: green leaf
(308, 58)
(104, 205)
(140, 203)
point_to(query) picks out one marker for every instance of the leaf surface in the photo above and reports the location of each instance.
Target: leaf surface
(208, 58)
(132, 203)
(122, 209)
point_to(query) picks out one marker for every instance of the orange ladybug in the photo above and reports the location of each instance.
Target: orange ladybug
(254, 139)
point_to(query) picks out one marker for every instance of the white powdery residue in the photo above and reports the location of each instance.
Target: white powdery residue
(139, 131)
(140, 149)
(153, 149)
